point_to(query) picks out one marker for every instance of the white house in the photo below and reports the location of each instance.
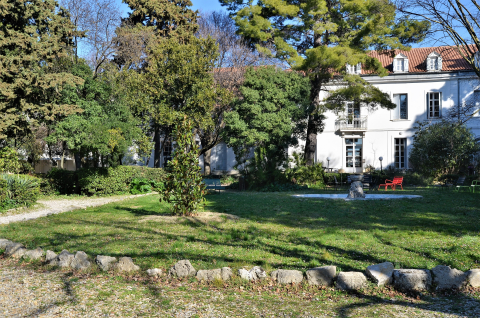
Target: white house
(427, 84)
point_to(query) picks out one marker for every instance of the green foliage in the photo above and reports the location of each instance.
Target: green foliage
(144, 185)
(264, 168)
(272, 113)
(9, 160)
(442, 148)
(302, 174)
(105, 128)
(34, 34)
(19, 189)
(100, 181)
(184, 188)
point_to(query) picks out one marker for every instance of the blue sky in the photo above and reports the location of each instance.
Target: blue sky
(200, 5)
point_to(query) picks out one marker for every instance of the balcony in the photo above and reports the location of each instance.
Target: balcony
(351, 124)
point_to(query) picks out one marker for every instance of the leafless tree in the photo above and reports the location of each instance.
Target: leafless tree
(452, 21)
(235, 56)
(97, 20)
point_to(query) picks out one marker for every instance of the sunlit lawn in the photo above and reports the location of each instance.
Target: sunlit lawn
(274, 230)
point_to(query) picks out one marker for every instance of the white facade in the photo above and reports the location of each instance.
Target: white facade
(389, 133)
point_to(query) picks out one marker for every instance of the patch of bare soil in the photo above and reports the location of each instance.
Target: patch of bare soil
(202, 217)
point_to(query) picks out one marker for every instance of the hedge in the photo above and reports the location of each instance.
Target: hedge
(99, 181)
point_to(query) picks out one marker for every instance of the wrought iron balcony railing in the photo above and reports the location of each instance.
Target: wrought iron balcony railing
(351, 124)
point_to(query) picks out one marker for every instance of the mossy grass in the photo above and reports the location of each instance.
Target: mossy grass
(274, 230)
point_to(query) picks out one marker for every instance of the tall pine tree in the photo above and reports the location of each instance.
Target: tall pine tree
(34, 35)
(320, 37)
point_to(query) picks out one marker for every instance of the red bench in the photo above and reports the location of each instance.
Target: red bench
(392, 183)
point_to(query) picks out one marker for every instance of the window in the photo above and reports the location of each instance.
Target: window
(434, 62)
(434, 105)
(167, 153)
(400, 63)
(353, 152)
(400, 153)
(221, 157)
(401, 112)
(354, 69)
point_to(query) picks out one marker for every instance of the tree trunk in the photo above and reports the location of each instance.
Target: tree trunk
(314, 122)
(311, 142)
(206, 162)
(78, 162)
(157, 153)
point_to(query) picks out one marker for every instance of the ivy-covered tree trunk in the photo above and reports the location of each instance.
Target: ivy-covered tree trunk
(207, 157)
(157, 151)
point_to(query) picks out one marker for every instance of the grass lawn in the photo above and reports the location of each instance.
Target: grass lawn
(274, 230)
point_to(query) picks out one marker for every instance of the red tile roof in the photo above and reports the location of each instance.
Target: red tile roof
(451, 59)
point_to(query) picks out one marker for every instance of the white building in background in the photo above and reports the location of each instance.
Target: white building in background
(427, 84)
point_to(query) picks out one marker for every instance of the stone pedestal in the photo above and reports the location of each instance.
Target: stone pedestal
(356, 191)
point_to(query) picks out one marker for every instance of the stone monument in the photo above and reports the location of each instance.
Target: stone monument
(356, 188)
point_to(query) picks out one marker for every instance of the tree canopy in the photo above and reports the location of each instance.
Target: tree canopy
(321, 37)
(33, 36)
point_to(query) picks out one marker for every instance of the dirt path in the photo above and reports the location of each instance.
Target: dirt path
(48, 207)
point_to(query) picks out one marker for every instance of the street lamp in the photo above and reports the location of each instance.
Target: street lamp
(328, 160)
(381, 159)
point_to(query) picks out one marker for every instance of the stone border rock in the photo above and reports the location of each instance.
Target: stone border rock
(439, 278)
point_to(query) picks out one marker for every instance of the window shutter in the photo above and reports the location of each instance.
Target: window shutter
(359, 68)
(429, 64)
(440, 102)
(439, 63)
(477, 60)
(428, 105)
(405, 65)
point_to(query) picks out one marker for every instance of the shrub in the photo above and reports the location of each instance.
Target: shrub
(9, 160)
(100, 181)
(143, 185)
(307, 174)
(21, 189)
(108, 181)
(184, 187)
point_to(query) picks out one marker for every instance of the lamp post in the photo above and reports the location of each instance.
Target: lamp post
(381, 159)
(328, 160)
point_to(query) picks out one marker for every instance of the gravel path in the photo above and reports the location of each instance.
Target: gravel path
(63, 205)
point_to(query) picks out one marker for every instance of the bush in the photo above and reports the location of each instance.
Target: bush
(100, 181)
(20, 189)
(144, 185)
(9, 160)
(307, 174)
(184, 188)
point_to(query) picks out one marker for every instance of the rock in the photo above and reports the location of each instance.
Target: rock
(50, 256)
(286, 276)
(253, 274)
(105, 262)
(226, 273)
(210, 274)
(473, 277)
(125, 264)
(154, 272)
(351, 280)
(246, 274)
(3, 243)
(445, 277)
(412, 279)
(182, 268)
(15, 250)
(322, 276)
(80, 261)
(64, 259)
(381, 273)
(34, 254)
(356, 191)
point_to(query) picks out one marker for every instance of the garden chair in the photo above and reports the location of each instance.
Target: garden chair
(475, 184)
(213, 184)
(369, 181)
(335, 183)
(460, 184)
(392, 183)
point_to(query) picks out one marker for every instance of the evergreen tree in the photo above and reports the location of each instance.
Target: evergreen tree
(320, 37)
(33, 36)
